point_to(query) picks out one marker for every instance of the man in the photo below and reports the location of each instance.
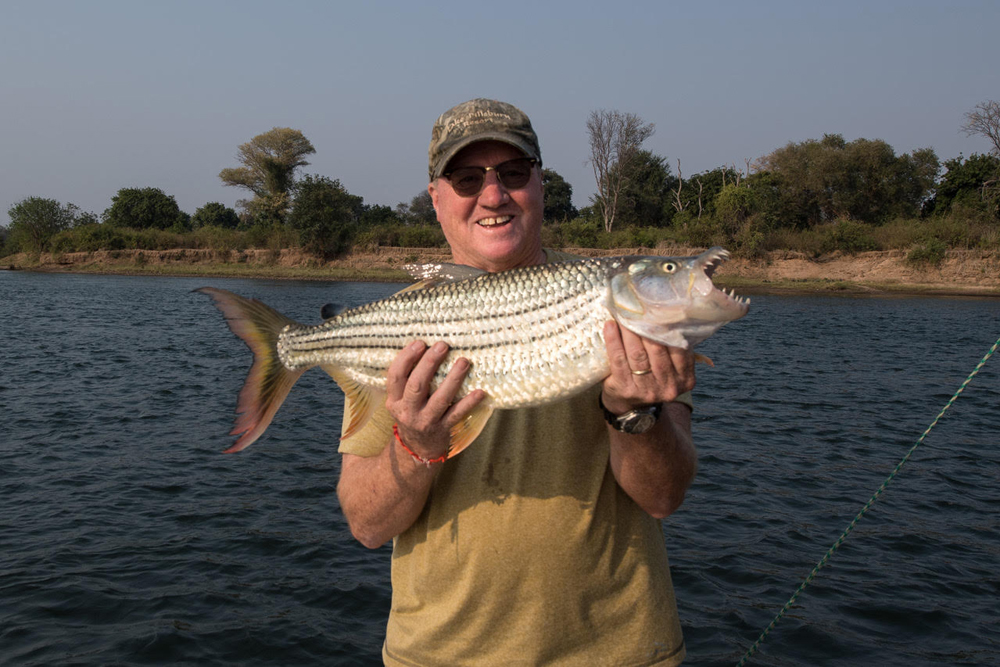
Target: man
(540, 543)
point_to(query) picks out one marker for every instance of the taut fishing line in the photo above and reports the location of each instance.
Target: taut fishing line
(864, 510)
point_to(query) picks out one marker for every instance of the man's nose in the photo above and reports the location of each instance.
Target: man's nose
(494, 193)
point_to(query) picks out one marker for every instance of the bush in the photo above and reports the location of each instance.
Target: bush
(847, 236)
(217, 239)
(930, 253)
(580, 233)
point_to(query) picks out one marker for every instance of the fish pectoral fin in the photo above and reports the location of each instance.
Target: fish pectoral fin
(703, 359)
(360, 402)
(467, 430)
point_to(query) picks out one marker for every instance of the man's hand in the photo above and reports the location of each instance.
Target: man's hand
(643, 372)
(425, 418)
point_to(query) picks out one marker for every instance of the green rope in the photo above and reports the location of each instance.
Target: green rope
(864, 510)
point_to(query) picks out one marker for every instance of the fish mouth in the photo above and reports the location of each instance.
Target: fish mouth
(712, 259)
(725, 300)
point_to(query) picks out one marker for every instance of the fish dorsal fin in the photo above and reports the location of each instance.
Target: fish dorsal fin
(441, 273)
(467, 430)
(415, 286)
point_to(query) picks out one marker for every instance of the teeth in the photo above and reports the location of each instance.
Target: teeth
(491, 222)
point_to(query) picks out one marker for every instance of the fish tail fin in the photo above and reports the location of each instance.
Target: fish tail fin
(268, 382)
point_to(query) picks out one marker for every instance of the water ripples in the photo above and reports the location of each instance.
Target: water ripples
(126, 538)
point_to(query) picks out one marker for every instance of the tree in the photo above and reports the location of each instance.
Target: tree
(558, 197)
(35, 220)
(969, 183)
(377, 215)
(269, 162)
(420, 210)
(615, 139)
(822, 181)
(143, 208)
(984, 120)
(214, 214)
(325, 215)
(646, 195)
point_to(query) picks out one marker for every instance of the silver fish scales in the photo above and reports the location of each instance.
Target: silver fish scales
(533, 335)
(531, 339)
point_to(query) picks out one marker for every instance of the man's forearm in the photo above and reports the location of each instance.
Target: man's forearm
(381, 496)
(656, 468)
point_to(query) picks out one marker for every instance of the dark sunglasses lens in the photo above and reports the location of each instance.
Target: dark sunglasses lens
(515, 174)
(467, 181)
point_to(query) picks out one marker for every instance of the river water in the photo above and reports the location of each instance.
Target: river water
(127, 538)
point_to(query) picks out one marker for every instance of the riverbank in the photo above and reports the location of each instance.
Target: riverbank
(962, 272)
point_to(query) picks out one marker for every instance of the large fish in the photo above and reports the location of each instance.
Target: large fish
(534, 335)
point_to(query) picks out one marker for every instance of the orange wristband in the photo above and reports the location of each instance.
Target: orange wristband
(426, 462)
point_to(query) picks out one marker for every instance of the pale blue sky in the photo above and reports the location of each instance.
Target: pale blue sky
(100, 95)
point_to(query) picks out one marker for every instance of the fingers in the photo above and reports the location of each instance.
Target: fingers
(642, 371)
(409, 395)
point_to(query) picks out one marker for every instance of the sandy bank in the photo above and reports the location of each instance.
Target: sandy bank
(963, 272)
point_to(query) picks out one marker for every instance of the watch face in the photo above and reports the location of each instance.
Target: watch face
(637, 422)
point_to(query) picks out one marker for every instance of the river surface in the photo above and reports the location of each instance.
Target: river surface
(127, 538)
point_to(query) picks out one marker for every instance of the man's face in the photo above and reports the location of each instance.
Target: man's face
(496, 229)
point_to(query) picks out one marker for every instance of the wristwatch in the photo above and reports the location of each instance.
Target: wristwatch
(634, 421)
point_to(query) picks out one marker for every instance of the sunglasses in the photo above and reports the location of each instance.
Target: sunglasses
(512, 174)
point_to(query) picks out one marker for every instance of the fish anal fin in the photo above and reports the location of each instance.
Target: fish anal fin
(467, 430)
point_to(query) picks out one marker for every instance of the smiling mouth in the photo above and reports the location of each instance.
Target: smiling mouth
(495, 222)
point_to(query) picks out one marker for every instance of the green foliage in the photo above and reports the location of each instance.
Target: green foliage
(214, 214)
(92, 237)
(703, 232)
(646, 192)
(581, 232)
(35, 221)
(931, 253)
(269, 162)
(420, 210)
(377, 215)
(734, 205)
(401, 235)
(820, 181)
(325, 215)
(973, 183)
(558, 197)
(143, 208)
(847, 236)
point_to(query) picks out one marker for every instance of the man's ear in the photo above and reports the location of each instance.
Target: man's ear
(432, 191)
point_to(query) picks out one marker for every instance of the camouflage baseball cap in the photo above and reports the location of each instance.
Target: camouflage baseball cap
(479, 120)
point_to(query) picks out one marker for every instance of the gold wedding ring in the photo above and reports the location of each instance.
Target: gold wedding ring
(645, 372)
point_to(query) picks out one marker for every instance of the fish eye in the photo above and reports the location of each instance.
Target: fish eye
(668, 267)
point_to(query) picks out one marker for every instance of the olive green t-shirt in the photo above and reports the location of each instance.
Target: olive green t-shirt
(528, 552)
